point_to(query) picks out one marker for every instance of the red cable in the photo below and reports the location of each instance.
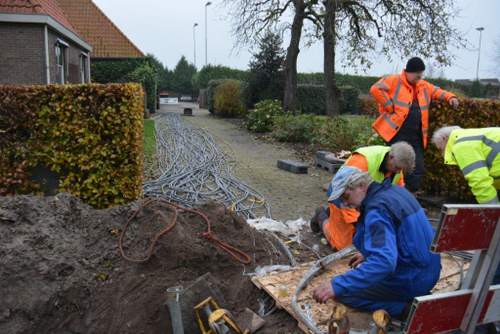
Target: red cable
(236, 253)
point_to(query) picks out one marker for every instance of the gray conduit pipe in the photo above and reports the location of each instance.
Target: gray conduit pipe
(316, 267)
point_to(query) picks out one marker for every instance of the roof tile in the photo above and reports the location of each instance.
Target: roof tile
(107, 40)
(47, 7)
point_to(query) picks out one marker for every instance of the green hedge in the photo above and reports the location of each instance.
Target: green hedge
(333, 134)
(448, 180)
(362, 83)
(311, 99)
(213, 72)
(128, 70)
(210, 93)
(90, 136)
(261, 118)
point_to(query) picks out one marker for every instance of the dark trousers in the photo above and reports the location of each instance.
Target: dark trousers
(414, 179)
(411, 132)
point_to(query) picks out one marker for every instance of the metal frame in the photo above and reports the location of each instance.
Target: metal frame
(480, 274)
(486, 267)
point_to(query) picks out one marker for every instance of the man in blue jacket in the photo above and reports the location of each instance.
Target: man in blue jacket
(393, 236)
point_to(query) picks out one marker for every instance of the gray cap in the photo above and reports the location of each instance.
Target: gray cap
(342, 179)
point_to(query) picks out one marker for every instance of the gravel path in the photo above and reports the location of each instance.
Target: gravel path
(254, 161)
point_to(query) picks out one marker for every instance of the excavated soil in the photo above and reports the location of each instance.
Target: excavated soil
(61, 270)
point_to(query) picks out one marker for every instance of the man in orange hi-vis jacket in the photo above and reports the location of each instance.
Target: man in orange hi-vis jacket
(403, 101)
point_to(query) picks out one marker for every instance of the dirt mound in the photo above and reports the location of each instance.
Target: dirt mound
(61, 270)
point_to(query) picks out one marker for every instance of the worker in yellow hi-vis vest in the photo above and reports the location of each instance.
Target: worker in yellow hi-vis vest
(476, 152)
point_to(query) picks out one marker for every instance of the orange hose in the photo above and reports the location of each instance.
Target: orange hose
(236, 253)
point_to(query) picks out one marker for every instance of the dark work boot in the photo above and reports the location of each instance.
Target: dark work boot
(320, 215)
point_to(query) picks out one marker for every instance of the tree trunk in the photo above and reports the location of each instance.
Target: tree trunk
(289, 100)
(332, 92)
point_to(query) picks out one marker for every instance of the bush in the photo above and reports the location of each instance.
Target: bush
(343, 132)
(338, 133)
(261, 118)
(90, 136)
(294, 128)
(311, 99)
(448, 180)
(212, 85)
(227, 99)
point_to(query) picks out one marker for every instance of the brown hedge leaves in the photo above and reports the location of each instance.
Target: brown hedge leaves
(91, 135)
(441, 179)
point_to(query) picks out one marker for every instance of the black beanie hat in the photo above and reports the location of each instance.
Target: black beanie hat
(415, 64)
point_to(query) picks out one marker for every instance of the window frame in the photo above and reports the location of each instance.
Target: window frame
(61, 61)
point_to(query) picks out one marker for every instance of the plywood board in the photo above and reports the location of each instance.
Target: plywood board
(281, 286)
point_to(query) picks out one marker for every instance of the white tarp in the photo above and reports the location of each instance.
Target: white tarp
(288, 228)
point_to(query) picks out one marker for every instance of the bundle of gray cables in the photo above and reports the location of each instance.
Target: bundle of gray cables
(194, 170)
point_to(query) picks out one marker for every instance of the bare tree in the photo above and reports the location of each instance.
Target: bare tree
(358, 29)
(252, 18)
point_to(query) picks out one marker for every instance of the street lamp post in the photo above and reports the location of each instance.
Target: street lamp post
(206, 34)
(480, 29)
(194, 42)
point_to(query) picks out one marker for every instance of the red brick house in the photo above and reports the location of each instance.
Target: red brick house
(107, 40)
(39, 45)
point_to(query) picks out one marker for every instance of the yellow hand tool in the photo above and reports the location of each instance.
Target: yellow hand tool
(339, 322)
(212, 319)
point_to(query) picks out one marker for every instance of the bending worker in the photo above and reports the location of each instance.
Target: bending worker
(403, 101)
(476, 152)
(381, 162)
(393, 237)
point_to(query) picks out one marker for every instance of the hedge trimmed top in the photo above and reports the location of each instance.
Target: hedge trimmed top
(90, 135)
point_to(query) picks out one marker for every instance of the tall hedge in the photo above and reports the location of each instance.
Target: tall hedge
(213, 72)
(445, 179)
(89, 135)
(311, 99)
(139, 70)
(210, 93)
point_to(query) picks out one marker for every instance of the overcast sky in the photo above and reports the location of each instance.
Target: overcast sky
(165, 29)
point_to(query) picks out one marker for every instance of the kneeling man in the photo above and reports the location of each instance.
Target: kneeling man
(393, 236)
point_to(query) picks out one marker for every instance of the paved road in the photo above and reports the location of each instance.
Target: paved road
(254, 161)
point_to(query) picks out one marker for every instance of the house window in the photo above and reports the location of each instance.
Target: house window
(60, 50)
(84, 63)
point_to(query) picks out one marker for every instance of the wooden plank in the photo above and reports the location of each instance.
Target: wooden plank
(476, 222)
(281, 286)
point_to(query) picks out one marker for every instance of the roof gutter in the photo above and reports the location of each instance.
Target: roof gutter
(49, 21)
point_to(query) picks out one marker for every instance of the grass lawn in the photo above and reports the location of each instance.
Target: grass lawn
(149, 139)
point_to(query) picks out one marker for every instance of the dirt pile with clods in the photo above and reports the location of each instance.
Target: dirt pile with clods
(61, 270)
